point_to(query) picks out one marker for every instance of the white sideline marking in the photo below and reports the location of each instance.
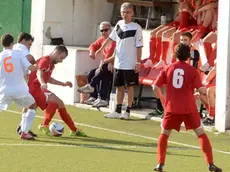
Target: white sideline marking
(129, 134)
(73, 146)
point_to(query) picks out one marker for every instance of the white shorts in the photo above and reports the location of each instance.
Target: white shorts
(23, 102)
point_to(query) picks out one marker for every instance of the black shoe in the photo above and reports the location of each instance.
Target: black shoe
(214, 168)
(208, 121)
(159, 167)
(33, 134)
(19, 131)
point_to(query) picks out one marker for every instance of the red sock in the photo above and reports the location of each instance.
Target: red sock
(184, 19)
(207, 49)
(206, 107)
(202, 31)
(66, 118)
(212, 111)
(158, 49)
(164, 50)
(152, 48)
(50, 111)
(162, 148)
(206, 148)
(212, 57)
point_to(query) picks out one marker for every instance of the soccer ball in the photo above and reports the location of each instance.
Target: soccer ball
(56, 129)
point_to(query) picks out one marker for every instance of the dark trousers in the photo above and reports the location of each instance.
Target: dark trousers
(101, 82)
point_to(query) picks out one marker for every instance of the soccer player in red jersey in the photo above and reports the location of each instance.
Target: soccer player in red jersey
(45, 99)
(181, 79)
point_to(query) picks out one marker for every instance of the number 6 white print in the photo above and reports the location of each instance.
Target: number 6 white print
(178, 78)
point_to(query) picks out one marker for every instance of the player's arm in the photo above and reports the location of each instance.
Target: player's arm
(139, 45)
(56, 82)
(159, 82)
(31, 59)
(94, 47)
(110, 59)
(40, 74)
(159, 94)
(26, 64)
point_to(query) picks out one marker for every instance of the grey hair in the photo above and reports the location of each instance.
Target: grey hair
(105, 23)
(126, 5)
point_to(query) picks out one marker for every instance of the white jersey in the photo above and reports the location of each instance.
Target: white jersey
(22, 48)
(12, 66)
(128, 38)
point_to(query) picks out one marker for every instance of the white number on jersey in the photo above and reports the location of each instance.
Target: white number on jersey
(178, 78)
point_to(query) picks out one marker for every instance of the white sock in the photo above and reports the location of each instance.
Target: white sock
(30, 115)
(23, 118)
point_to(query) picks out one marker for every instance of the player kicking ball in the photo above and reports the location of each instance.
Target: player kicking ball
(181, 79)
(13, 87)
(47, 100)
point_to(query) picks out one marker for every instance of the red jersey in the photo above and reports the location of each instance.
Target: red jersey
(180, 79)
(107, 52)
(45, 64)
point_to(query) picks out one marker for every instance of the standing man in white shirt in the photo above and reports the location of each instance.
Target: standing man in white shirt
(129, 43)
(13, 87)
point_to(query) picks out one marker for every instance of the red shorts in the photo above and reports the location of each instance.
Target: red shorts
(191, 121)
(40, 96)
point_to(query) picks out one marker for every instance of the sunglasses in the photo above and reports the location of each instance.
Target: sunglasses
(104, 30)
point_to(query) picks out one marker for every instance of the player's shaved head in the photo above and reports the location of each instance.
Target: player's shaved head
(61, 49)
(182, 52)
(7, 40)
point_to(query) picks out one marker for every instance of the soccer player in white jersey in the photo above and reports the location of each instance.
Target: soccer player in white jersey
(24, 42)
(129, 43)
(13, 87)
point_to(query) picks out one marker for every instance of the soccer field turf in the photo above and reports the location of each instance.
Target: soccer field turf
(112, 146)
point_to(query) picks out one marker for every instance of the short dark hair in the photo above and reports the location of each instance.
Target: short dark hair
(182, 52)
(7, 39)
(188, 34)
(61, 49)
(26, 36)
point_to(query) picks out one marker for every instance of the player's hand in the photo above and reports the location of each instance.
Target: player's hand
(137, 67)
(110, 67)
(44, 86)
(92, 55)
(69, 84)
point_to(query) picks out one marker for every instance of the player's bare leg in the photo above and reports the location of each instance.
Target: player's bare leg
(211, 93)
(207, 149)
(130, 92)
(120, 97)
(162, 149)
(166, 38)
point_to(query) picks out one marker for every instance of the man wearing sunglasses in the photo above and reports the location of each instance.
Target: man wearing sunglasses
(100, 79)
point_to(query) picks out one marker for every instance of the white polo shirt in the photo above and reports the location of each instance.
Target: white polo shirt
(128, 38)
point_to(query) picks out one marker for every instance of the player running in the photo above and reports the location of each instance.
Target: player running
(181, 79)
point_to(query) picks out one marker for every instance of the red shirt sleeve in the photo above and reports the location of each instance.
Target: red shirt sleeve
(96, 45)
(108, 52)
(197, 81)
(44, 63)
(161, 79)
